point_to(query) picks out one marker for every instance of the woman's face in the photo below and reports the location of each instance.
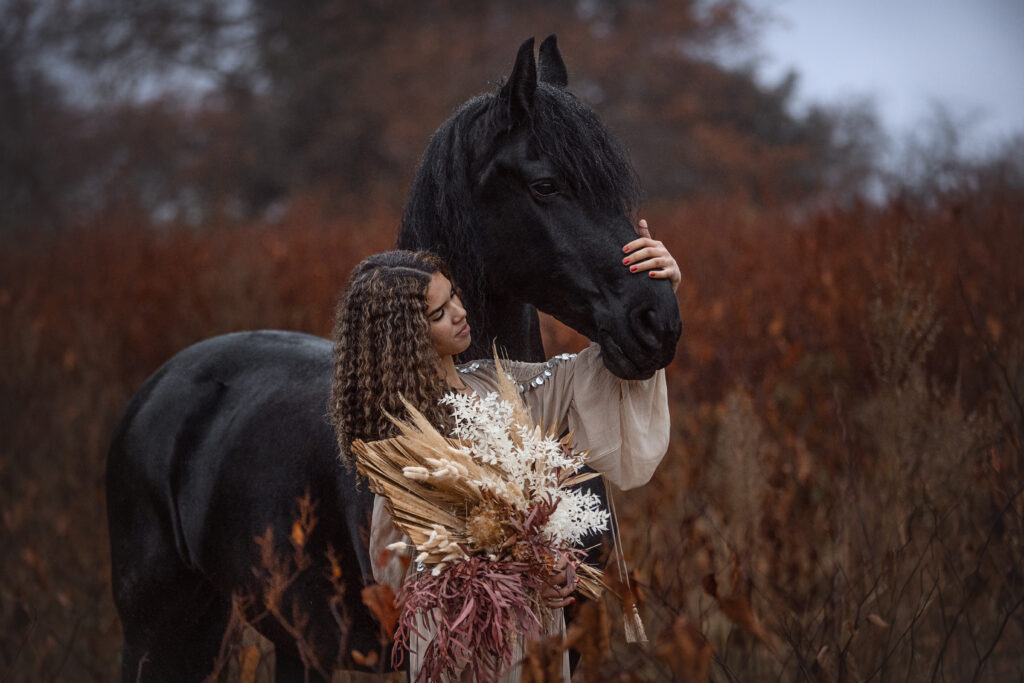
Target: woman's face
(449, 331)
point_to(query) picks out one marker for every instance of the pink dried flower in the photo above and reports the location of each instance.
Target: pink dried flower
(477, 608)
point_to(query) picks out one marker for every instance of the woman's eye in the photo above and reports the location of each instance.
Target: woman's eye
(544, 188)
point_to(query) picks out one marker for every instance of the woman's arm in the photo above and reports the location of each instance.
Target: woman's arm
(388, 566)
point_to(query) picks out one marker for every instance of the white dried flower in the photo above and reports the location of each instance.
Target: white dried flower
(578, 514)
(531, 469)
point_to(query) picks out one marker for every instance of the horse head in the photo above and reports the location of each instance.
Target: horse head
(530, 199)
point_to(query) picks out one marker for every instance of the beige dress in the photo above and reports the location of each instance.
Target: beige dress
(624, 424)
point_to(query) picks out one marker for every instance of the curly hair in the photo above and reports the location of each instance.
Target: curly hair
(382, 348)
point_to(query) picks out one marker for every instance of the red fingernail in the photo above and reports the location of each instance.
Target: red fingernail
(626, 249)
(652, 274)
(632, 269)
(625, 261)
(572, 599)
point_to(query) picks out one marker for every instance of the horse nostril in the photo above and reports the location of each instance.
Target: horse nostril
(645, 326)
(649, 318)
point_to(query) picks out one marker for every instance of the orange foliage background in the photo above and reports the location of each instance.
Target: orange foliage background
(856, 520)
(843, 495)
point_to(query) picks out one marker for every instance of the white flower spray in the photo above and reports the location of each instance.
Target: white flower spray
(534, 464)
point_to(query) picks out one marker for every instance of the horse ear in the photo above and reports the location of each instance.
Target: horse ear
(552, 68)
(521, 86)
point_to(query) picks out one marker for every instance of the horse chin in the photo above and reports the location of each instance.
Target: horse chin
(624, 365)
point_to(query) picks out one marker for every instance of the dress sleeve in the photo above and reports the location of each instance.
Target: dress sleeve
(624, 423)
(387, 566)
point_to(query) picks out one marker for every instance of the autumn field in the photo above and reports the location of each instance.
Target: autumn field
(843, 495)
(841, 499)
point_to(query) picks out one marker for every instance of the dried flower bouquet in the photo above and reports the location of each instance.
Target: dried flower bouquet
(489, 512)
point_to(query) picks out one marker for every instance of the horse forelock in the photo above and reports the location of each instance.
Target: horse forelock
(588, 156)
(569, 134)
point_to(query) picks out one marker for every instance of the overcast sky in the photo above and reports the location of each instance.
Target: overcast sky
(905, 54)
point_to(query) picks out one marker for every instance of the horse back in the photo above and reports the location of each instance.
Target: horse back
(216, 448)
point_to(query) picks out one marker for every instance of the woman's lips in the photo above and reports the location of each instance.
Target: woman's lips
(464, 331)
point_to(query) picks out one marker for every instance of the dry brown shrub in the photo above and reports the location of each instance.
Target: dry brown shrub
(686, 651)
(856, 482)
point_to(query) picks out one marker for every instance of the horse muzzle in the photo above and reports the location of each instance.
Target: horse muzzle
(639, 339)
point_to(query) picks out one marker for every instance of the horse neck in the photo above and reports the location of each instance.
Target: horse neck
(514, 326)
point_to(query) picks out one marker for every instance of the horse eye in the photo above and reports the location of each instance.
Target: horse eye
(544, 188)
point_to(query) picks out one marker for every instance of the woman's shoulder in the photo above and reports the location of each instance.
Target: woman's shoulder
(525, 375)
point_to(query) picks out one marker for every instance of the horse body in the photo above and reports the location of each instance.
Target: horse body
(234, 431)
(528, 199)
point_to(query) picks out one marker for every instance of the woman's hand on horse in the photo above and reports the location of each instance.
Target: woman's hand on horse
(649, 255)
(561, 584)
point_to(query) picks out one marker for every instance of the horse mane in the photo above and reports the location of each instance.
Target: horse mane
(439, 213)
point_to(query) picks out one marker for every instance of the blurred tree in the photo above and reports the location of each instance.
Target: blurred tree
(851, 145)
(189, 110)
(30, 104)
(91, 122)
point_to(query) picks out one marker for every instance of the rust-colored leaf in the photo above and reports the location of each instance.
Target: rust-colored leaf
(878, 621)
(383, 557)
(298, 534)
(542, 660)
(685, 650)
(380, 599)
(629, 592)
(589, 633)
(821, 667)
(737, 609)
(368, 660)
(995, 327)
(249, 662)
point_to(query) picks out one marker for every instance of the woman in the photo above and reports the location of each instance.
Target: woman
(398, 329)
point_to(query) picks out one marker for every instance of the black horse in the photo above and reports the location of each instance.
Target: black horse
(529, 198)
